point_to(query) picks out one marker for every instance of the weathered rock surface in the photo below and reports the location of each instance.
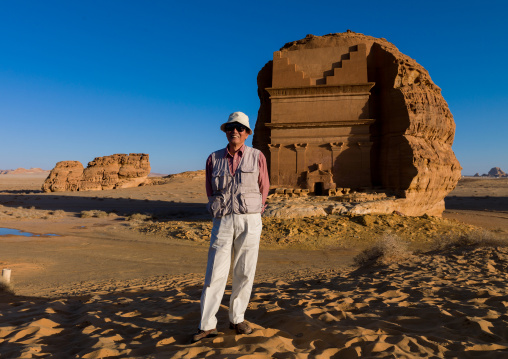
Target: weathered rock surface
(66, 176)
(356, 204)
(116, 171)
(103, 173)
(413, 130)
(294, 210)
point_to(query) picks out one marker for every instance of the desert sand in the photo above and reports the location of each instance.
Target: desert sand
(121, 277)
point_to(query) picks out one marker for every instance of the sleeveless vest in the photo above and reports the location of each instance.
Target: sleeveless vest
(239, 193)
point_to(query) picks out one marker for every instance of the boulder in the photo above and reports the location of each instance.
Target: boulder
(290, 210)
(399, 142)
(103, 173)
(66, 176)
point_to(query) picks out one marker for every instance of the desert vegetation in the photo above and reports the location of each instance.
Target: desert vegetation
(390, 248)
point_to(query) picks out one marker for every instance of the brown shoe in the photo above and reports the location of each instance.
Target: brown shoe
(241, 328)
(201, 334)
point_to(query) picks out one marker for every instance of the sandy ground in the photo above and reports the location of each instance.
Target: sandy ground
(123, 277)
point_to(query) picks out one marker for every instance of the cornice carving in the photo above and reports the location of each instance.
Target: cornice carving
(300, 146)
(336, 145)
(321, 90)
(367, 121)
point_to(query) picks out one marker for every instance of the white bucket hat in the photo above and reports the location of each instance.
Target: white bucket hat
(239, 117)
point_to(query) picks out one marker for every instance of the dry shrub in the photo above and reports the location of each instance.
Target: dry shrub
(86, 214)
(26, 214)
(477, 238)
(93, 213)
(101, 214)
(6, 288)
(387, 250)
(58, 213)
(139, 217)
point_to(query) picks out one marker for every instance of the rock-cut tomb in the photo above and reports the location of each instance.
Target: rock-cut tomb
(345, 112)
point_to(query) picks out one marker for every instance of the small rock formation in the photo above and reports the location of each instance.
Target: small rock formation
(103, 173)
(369, 116)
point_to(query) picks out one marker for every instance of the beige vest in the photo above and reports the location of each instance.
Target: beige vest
(239, 193)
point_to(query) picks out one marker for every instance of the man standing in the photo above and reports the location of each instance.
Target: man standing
(237, 185)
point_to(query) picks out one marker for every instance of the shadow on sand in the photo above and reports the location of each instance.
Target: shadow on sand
(485, 203)
(120, 206)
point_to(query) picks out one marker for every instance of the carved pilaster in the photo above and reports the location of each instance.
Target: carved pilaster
(300, 149)
(365, 153)
(274, 163)
(336, 148)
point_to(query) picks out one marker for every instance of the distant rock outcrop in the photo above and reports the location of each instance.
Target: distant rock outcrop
(188, 175)
(103, 173)
(19, 171)
(497, 172)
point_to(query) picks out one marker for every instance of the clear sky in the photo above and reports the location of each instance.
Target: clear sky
(83, 79)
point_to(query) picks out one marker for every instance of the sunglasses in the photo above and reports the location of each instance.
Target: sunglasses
(232, 126)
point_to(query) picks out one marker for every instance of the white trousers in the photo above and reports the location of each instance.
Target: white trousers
(240, 234)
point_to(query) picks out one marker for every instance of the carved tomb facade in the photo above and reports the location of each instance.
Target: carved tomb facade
(350, 111)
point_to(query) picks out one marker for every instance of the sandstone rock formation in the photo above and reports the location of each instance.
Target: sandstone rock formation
(108, 172)
(66, 176)
(359, 109)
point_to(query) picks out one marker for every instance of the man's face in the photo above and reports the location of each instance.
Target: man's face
(236, 137)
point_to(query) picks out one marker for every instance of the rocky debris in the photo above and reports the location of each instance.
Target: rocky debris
(23, 171)
(320, 231)
(356, 203)
(412, 136)
(301, 210)
(103, 173)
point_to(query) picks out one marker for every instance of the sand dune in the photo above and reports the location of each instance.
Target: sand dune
(450, 303)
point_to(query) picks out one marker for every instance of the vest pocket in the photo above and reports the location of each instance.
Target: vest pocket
(250, 202)
(219, 180)
(248, 176)
(216, 206)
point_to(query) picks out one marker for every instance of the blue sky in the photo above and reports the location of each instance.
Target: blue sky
(82, 79)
